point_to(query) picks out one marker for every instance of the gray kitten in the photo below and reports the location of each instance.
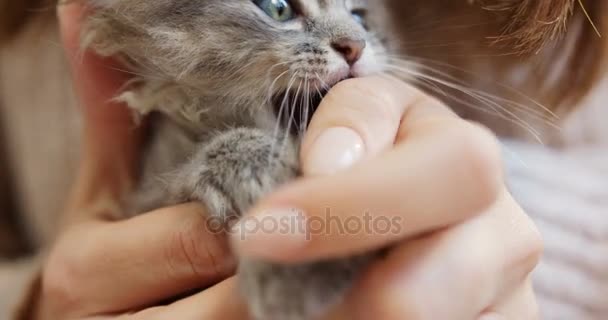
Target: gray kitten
(230, 86)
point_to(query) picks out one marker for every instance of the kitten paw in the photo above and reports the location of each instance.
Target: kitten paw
(233, 170)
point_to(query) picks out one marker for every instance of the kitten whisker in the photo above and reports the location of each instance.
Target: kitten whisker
(138, 74)
(291, 118)
(325, 85)
(426, 85)
(545, 110)
(277, 129)
(501, 111)
(488, 100)
(308, 109)
(270, 90)
(306, 103)
(269, 94)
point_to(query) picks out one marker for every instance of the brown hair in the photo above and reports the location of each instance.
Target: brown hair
(495, 39)
(534, 24)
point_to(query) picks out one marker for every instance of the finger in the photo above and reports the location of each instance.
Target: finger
(223, 301)
(444, 171)
(520, 305)
(111, 142)
(357, 119)
(110, 267)
(454, 274)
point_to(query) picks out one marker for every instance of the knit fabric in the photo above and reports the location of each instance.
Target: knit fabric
(566, 193)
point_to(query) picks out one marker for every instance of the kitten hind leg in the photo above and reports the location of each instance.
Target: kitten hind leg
(298, 292)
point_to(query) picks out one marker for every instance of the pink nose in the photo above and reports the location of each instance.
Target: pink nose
(350, 49)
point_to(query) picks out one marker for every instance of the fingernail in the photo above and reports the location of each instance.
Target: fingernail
(334, 150)
(270, 233)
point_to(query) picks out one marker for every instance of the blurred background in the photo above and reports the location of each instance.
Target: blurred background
(561, 183)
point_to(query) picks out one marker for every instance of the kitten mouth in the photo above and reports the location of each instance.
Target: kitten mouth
(295, 110)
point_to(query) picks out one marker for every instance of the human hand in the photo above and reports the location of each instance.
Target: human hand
(102, 268)
(405, 131)
(465, 248)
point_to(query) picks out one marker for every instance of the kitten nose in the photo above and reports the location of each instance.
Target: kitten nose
(350, 49)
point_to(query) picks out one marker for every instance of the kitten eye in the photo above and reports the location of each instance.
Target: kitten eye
(279, 10)
(360, 15)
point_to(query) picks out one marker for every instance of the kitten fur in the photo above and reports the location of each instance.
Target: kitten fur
(229, 90)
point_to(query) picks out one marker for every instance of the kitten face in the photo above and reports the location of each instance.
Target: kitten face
(243, 50)
(324, 42)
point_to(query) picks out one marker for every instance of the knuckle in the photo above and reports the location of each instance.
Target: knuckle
(380, 104)
(379, 300)
(526, 245)
(533, 247)
(480, 157)
(63, 270)
(57, 283)
(192, 249)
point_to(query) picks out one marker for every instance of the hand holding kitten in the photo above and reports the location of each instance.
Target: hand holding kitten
(459, 271)
(468, 257)
(100, 266)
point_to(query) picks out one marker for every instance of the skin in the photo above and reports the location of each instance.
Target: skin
(475, 244)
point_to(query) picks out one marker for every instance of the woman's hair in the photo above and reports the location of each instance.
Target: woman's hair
(581, 56)
(532, 23)
(15, 14)
(525, 27)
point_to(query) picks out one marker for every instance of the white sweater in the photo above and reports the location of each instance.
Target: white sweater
(566, 193)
